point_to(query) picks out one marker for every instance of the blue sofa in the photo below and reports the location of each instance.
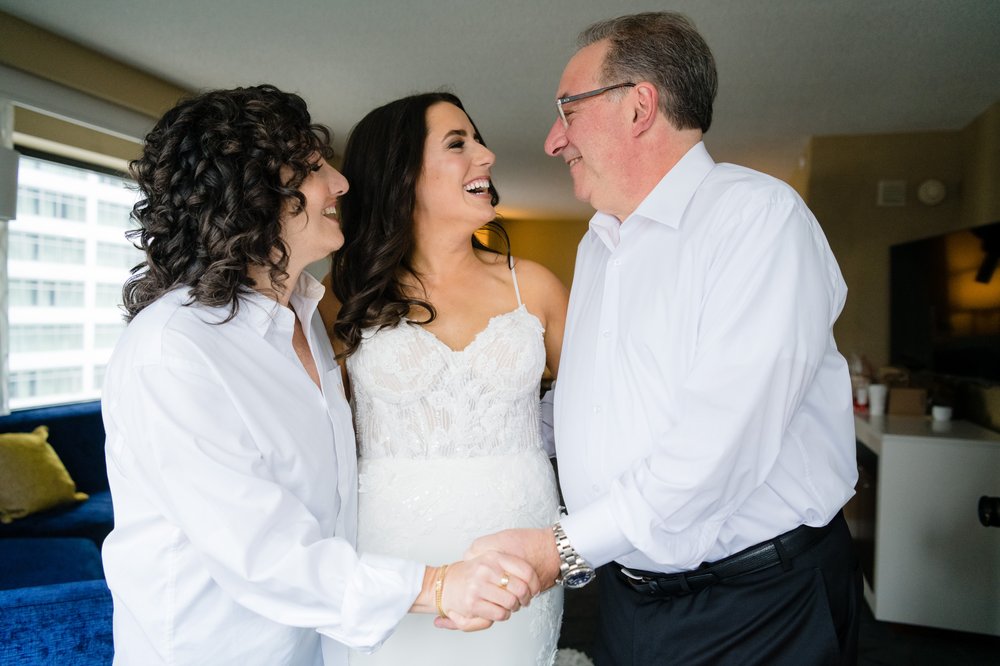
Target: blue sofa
(34, 561)
(76, 432)
(64, 624)
(55, 606)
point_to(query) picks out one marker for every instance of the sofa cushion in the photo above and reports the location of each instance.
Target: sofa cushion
(32, 477)
(31, 562)
(76, 432)
(66, 623)
(92, 519)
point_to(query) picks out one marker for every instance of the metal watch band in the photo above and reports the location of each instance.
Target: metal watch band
(568, 557)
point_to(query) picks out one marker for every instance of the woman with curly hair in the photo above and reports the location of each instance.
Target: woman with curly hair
(230, 450)
(445, 344)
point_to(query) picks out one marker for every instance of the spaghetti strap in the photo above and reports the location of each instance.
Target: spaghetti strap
(513, 275)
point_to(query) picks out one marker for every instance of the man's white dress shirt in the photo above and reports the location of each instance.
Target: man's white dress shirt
(702, 405)
(234, 481)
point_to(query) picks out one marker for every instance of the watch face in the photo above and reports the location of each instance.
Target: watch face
(578, 577)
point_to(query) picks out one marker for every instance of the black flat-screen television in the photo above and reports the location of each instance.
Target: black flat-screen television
(945, 304)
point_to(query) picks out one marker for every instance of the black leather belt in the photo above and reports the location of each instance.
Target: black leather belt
(779, 550)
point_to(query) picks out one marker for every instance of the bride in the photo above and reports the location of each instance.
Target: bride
(445, 342)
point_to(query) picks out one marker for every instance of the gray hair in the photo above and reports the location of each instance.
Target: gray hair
(665, 49)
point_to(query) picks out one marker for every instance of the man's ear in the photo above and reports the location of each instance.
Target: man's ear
(646, 106)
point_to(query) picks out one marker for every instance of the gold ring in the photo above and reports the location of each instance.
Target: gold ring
(504, 580)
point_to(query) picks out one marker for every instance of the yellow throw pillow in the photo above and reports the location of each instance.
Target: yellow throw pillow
(32, 478)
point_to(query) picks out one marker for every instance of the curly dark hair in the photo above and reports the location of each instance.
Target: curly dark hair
(382, 161)
(216, 174)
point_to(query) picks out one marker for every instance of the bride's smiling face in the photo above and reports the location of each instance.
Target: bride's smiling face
(454, 184)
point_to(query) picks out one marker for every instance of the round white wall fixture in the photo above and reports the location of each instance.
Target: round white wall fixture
(931, 192)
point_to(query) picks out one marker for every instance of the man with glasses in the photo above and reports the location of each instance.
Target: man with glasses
(703, 416)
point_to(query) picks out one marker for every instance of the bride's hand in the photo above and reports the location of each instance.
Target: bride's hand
(486, 589)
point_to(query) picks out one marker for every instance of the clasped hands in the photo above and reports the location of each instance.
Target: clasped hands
(501, 573)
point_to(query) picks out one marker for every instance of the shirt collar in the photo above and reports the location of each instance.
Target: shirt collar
(665, 203)
(306, 297)
(262, 313)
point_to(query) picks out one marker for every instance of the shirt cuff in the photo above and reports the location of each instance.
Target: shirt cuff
(594, 534)
(380, 593)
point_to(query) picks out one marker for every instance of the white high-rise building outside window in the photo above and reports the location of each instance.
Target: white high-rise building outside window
(67, 260)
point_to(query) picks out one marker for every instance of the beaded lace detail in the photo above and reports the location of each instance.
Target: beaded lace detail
(449, 451)
(414, 397)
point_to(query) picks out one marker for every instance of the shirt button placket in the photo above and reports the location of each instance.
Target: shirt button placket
(604, 357)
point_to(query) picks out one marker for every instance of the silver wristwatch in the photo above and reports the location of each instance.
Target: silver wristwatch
(574, 571)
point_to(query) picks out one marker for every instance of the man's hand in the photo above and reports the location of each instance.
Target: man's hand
(479, 591)
(537, 546)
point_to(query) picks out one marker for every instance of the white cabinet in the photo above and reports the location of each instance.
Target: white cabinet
(934, 563)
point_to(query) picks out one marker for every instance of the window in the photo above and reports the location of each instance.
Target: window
(113, 215)
(45, 382)
(106, 335)
(108, 295)
(67, 259)
(46, 293)
(44, 248)
(117, 255)
(47, 203)
(99, 372)
(52, 168)
(45, 337)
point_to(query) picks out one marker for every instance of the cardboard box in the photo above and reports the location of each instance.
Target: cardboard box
(907, 401)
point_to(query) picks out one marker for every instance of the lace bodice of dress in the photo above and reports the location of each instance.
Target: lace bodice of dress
(414, 397)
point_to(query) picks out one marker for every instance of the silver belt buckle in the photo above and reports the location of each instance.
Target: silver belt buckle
(632, 576)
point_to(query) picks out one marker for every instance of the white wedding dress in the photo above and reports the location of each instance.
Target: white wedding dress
(449, 450)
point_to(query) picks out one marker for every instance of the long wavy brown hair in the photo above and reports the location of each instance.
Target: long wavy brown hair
(216, 174)
(382, 161)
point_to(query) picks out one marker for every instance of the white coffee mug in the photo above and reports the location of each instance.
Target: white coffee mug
(941, 413)
(877, 394)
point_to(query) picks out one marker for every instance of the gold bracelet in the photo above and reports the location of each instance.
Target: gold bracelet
(439, 590)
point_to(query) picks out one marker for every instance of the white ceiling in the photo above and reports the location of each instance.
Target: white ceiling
(788, 69)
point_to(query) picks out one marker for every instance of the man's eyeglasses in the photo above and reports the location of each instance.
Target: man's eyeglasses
(585, 95)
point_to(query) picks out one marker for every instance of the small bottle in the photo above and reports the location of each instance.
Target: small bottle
(859, 383)
(861, 396)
